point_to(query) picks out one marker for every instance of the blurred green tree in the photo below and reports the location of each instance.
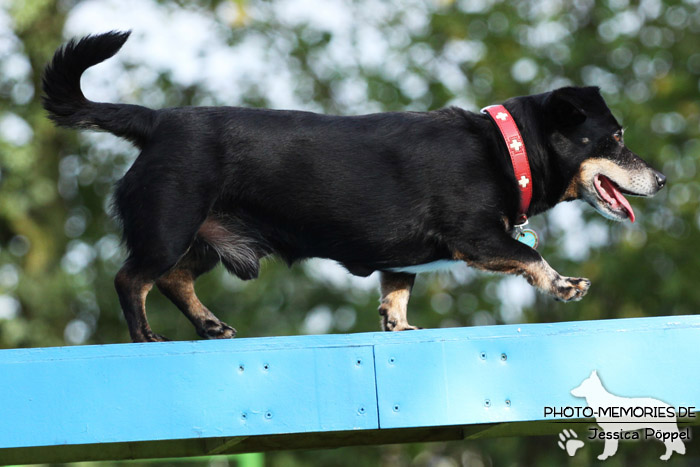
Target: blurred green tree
(59, 248)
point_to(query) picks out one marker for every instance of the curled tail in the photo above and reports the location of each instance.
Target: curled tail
(68, 107)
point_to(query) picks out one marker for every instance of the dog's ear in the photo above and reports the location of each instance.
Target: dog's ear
(563, 107)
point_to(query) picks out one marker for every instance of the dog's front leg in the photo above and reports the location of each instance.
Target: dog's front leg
(503, 254)
(396, 290)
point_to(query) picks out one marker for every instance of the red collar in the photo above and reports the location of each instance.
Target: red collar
(518, 155)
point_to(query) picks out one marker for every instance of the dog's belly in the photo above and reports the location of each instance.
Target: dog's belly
(427, 267)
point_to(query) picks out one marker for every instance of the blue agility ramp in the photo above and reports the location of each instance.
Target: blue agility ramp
(178, 399)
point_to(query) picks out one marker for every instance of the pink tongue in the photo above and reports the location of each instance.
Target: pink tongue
(610, 188)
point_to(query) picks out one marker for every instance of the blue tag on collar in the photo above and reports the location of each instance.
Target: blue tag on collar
(528, 237)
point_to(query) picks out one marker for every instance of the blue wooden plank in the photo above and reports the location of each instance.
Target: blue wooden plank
(480, 379)
(134, 393)
(320, 384)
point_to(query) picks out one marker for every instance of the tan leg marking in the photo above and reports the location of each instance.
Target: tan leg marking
(545, 278)
(396, 290)
(132, 291)
(178, 286)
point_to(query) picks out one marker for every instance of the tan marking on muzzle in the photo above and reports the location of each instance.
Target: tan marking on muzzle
(637, 181)
(572, 191)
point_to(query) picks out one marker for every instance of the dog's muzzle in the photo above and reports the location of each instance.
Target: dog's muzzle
(606, 183)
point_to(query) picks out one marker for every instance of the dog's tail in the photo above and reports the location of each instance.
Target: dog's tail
(68, 107)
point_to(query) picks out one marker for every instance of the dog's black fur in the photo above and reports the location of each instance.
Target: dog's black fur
(374, 192)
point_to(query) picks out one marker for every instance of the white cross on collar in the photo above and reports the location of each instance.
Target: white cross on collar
(502, 116)
(524, 181)
(516, 144)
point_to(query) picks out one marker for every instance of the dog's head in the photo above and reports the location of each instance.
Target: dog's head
(588, 144)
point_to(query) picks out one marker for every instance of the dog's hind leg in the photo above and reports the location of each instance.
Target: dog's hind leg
(178, 285)
(160, 212)
(395, 288)
(132, 288)
(151, 256)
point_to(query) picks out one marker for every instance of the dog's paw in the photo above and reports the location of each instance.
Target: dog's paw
(216, 330)
(570, 289)
(406, 327)
(389, 322)
(386, 323)
(150, 336)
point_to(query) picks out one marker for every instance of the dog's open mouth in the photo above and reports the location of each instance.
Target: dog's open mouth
(612, 196)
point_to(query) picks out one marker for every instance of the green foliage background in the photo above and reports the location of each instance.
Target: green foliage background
(59, 249)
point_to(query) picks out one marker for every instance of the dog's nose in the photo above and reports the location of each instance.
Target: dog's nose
(660, 179)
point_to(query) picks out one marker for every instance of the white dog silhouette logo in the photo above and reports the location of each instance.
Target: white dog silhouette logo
(617, 415)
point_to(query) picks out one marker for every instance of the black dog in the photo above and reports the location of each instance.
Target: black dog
(392, 192)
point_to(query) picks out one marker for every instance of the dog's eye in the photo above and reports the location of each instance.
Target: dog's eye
(618, 135)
